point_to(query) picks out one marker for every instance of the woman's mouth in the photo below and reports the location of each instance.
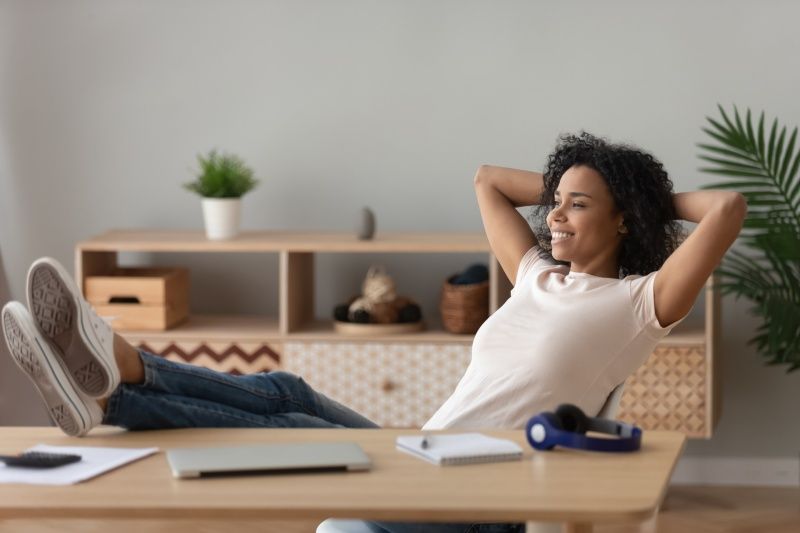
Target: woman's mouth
(559, 236)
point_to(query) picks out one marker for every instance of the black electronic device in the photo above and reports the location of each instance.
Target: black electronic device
(40, 459)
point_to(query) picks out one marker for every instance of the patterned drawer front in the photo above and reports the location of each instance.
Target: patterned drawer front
(394, 385)
(669, 392)
(223, 356)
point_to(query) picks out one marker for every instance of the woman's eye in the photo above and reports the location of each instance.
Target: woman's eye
(577, 205)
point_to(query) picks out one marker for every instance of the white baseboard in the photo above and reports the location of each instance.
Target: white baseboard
(746, 471)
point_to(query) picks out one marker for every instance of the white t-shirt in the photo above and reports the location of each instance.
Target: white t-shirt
(561, 337)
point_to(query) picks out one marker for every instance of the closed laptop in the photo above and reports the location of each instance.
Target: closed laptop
(267, 458)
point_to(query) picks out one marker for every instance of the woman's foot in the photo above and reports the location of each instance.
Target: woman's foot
(84, 340)
(74, 412)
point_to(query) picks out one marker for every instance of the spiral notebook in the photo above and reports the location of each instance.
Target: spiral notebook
(460, 448)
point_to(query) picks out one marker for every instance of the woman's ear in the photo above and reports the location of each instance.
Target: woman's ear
(622, 229)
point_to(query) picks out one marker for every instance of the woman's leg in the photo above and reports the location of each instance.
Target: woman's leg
(64, 333)
(139, 408)
(262, 395)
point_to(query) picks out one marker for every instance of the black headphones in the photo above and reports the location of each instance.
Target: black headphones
(568, 426)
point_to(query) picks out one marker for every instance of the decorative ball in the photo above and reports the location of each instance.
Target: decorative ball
(476, 273)
(384, 313)
(361, 316)
(410, 313)
(340, 312)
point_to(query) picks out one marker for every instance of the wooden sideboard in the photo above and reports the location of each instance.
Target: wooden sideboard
(395, 380)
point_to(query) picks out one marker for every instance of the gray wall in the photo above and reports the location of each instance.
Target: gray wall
(337, 105)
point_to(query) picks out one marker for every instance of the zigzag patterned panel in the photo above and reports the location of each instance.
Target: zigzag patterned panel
(394, 385)
(669, 392)
(234, 358)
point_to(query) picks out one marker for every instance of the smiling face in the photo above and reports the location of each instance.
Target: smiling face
(585, 223)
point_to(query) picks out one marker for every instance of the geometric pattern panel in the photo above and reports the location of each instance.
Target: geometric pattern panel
(230, 357)
(669, 392)
(394, 385)
(402, 385)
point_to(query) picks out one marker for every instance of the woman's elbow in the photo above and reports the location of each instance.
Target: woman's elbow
(481, 175)
(737, 205)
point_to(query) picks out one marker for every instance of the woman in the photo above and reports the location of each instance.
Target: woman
(592, 296)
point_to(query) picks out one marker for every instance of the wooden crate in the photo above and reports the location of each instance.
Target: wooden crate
(140, 298)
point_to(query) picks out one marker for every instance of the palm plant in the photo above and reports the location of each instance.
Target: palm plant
(765, 268)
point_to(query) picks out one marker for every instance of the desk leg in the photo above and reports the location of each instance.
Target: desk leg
(577, 527)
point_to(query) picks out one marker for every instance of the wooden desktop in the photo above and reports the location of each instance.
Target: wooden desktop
(577, 488)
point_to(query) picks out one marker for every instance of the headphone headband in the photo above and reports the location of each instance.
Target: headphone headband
(546, 430)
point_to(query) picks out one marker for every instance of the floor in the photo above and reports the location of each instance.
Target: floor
(687, 509)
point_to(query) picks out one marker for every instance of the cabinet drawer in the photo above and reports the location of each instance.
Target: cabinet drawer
(394, 385)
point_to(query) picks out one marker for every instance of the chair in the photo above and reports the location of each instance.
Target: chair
(610, 408)
(339, 525)
(20, 404)
(336, 525)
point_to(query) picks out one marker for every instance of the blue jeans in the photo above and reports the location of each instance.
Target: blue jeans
(176, 395)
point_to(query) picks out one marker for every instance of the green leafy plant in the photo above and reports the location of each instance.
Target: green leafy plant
(222, 176)
(765, 268)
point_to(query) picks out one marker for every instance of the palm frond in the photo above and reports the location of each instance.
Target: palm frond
(763, 167)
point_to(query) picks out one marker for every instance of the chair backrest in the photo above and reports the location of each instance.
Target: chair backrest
(610, 408)
(20, 404)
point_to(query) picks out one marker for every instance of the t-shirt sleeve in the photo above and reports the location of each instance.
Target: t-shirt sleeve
(533, 259)
(644, 306)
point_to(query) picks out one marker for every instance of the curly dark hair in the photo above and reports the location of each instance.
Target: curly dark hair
(641, 190)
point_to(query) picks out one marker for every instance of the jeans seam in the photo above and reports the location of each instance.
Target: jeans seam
(211, 410)
(148, 361)
(112, 404)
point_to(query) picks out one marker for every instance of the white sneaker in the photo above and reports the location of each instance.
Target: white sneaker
(74, 412)
(85, 341)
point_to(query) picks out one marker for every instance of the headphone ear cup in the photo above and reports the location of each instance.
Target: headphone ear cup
(572, 418)
(553, 418)
(541, 429)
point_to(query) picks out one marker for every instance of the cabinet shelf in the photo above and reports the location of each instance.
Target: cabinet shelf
(322, 330)
(258, 328)
(248, 328)
(278, 241)
(255, 328)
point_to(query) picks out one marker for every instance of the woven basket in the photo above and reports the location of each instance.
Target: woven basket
(464, 307)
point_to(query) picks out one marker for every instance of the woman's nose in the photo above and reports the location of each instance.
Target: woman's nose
(556, 214)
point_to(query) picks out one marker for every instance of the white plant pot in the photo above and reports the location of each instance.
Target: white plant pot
(222, 217)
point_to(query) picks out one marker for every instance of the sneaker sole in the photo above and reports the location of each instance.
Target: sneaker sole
(66, 410)
(61, 318)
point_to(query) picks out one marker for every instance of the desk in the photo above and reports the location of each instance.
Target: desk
(578, 488)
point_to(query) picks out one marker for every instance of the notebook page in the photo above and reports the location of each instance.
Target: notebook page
(461, 448)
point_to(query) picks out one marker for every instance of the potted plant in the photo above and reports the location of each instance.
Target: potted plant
(222, 180)
(765, 269)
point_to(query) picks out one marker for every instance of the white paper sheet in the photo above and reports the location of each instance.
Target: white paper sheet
(95, 461)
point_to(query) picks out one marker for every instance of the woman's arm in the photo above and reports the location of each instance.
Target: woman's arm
(499, 191)
(720, 215)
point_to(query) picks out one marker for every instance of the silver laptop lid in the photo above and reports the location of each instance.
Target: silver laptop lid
(266, 458)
